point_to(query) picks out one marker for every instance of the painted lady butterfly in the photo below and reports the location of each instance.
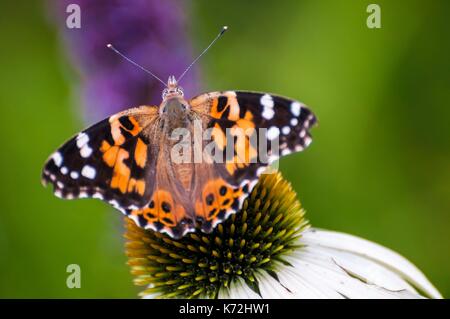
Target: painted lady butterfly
(126, 159)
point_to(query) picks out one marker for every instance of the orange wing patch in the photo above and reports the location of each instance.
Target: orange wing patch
(121, 172)
(127, 123)
(109, 153)
(140, 153)
(219, 136)
(162, 210)
(137, 186)
(246, 123)
(226, 102)
(217, 198)
(245, 151)
(114, 155)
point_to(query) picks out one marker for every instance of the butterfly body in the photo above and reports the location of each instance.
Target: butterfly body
(184, 164)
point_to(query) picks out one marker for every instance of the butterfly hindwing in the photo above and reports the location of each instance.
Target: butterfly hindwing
(169, 209)
(111, 161)
(217, 195)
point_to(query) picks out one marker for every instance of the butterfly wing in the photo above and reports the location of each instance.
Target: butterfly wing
(170, 208)
(112, 160)
(280, 123)
(125, 160)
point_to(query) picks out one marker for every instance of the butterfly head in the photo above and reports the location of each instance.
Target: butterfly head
(173, 104)
(173, 90)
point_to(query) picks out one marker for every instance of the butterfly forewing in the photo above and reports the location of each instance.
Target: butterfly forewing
(112, 160)
(262, 127)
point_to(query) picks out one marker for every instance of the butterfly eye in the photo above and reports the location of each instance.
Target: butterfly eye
(179, 91)
(164, 93)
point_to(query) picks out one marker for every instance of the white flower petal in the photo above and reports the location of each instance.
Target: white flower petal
(336, 265)
(238, 290)
(367, 270)
(271, 288)
(324, 271)
(380, 256)
(312, 286)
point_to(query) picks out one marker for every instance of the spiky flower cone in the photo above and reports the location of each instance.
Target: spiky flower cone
(200, 265)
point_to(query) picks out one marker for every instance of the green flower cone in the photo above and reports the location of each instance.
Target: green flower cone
(200, 265)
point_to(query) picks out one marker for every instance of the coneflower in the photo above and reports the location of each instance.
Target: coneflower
(268, 250)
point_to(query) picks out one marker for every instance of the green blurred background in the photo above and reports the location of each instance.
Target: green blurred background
(379, 166)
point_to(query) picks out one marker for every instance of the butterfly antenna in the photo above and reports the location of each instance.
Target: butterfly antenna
(110, 46)
(224, 28)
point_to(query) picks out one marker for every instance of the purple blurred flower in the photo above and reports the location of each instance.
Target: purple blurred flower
(153, 33)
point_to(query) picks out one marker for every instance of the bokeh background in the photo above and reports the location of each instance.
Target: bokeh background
(379, 166)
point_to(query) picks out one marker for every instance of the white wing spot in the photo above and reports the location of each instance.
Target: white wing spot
(286, 130)
(97, 195)
(273, 133)
(268, 113)
(302, 134)
(294, 122)
(243, 183)
(83, 195)
(267, 103)
(252, 185)
(260, 170)
(88, 172)
(295, 108)
(82, 144)
(82, 139)
(64, 170)
(57, 158)
(85, 151)
(69, 196)
(308, 141)
(114, 203)
(74, 175)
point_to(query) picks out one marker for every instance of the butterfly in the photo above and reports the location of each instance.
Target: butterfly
(131, 159)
